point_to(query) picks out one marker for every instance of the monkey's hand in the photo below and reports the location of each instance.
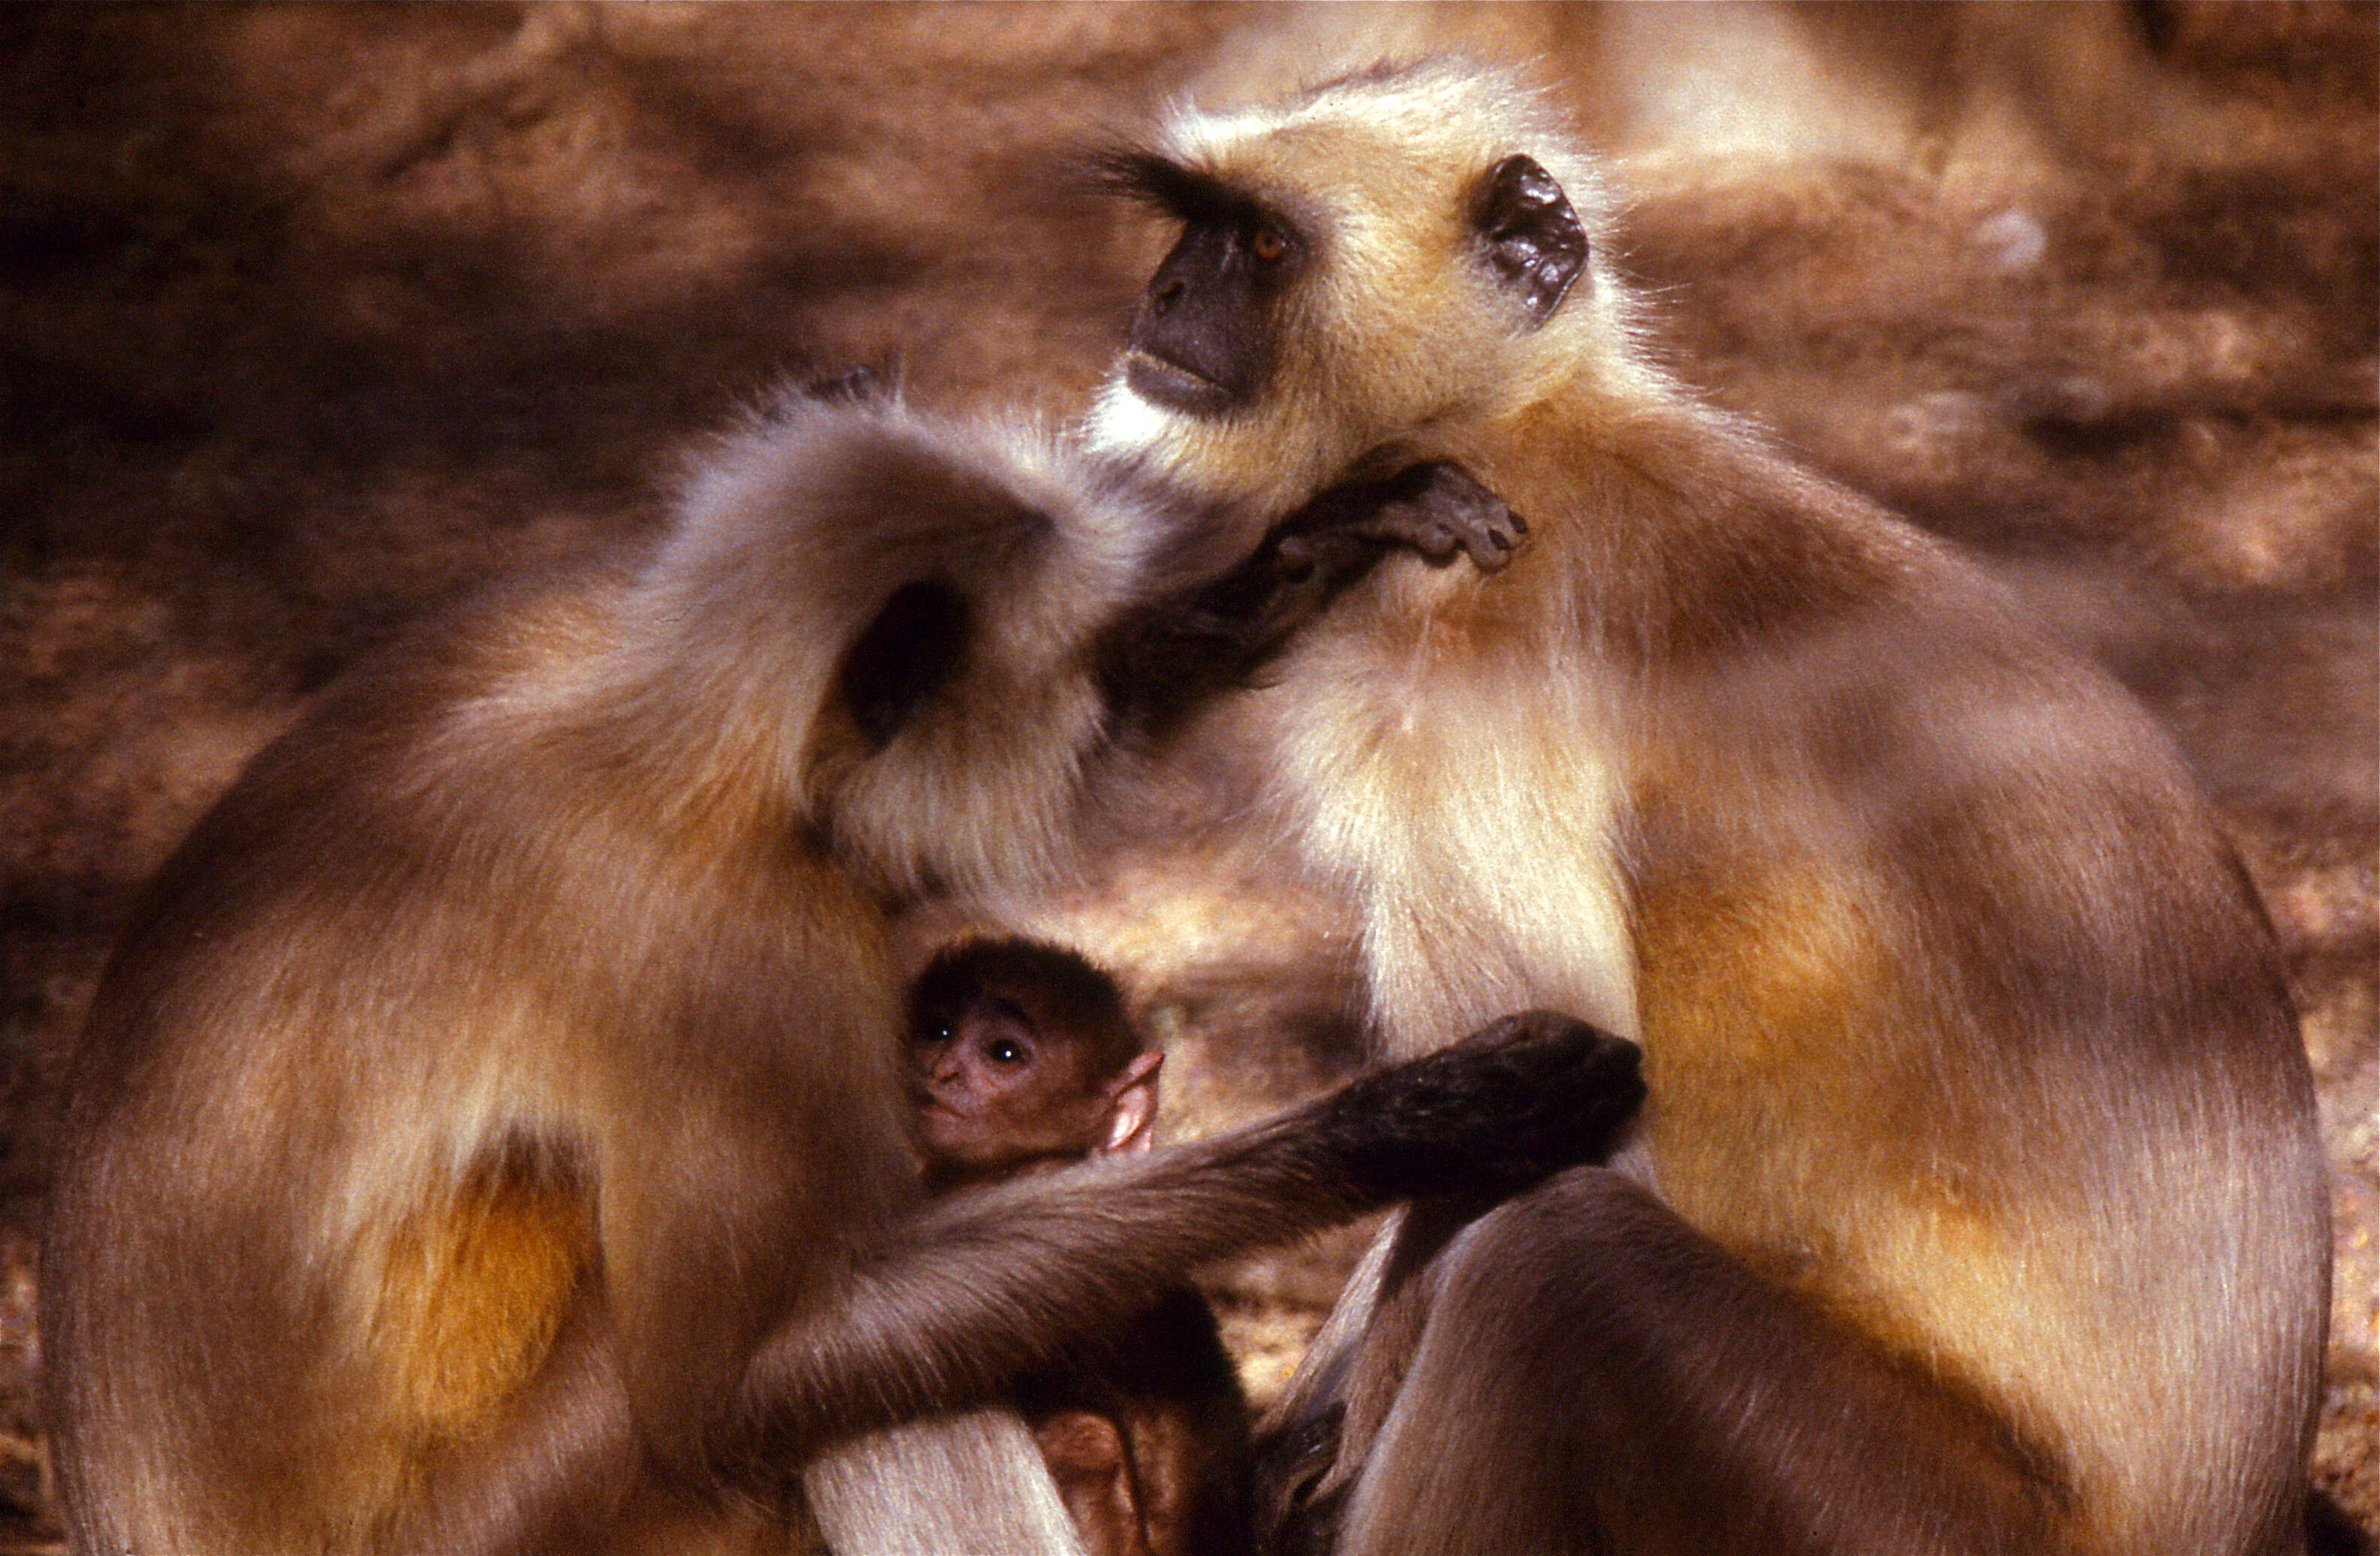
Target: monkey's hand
(1158, 662)
(1434, 508)
(1523, 1097)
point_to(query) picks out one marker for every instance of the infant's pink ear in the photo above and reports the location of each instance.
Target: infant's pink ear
(1132, 1108)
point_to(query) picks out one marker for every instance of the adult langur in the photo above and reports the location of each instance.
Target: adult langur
(492, 1134)
(1977, 1203)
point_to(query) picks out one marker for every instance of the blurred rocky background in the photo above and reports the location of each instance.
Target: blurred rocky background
(311, 315)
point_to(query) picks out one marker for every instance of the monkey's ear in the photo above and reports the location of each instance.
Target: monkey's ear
(1131, 1109)
(1532, 236)
(907, 652)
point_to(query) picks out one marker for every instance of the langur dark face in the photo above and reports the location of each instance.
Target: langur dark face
(999, 1085)
(1202, 344)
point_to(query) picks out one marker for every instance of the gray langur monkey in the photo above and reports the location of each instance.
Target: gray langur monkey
(1978, 1204)
(490, 1135)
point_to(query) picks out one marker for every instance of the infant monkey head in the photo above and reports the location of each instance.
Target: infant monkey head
(1023, 1060)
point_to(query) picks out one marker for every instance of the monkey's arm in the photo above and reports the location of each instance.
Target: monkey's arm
(956, 1302)
(1166, 658)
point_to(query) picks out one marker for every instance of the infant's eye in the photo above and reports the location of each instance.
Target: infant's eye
(1267, 244)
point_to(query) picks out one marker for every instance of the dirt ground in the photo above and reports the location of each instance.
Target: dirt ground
(311, 315)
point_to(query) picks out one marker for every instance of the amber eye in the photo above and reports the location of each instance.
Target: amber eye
(1267, 244)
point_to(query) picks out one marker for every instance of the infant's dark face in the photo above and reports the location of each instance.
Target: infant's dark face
(1000, 1087)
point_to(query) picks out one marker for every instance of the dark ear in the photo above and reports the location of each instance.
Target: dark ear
(905, 653)
(1532, 236)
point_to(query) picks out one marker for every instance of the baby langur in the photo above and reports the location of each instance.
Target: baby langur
(1978, 1204)
(1026, 1062)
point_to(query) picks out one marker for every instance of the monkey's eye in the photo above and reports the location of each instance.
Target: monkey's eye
(1005, 1051)
(1268, 243)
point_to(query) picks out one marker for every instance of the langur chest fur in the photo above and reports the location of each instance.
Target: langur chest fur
(1470, 816)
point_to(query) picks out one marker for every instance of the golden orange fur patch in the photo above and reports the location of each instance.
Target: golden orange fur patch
(472, 1294)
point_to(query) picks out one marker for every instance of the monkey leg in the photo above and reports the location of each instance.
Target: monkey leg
(1091, 1460)
(1318, 1435)
(549, 1477)
(1595, 1375)
(919, 1490)
(552, 1478)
